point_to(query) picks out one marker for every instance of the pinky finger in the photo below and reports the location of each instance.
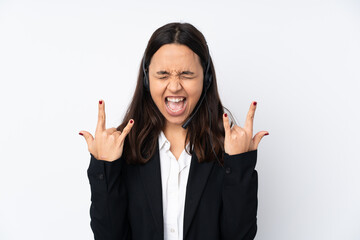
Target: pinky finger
(257, 138)
(126, 130)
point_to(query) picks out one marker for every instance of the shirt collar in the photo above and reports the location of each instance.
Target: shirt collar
(164, 141)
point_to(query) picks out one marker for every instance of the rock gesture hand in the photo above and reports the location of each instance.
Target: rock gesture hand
(108, 143)
(239, 140)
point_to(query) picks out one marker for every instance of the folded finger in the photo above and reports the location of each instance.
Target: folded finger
(111, 130)
(117, 134)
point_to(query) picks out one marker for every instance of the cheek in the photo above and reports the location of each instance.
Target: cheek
(155, 95)
(156, 91)
(195, 90)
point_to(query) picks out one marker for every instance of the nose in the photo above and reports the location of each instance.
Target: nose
(174, 84)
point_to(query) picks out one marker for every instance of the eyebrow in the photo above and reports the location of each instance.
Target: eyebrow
(167, 73)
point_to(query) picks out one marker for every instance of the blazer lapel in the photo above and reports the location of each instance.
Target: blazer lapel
(198, 175)
(150, 174)
(151, 177)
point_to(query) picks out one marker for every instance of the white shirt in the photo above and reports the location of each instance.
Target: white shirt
(174, 176)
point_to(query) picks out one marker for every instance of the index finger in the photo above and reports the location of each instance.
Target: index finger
(250, 117)
(101, 117)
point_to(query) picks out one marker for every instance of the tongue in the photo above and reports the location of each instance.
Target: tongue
(176, 105)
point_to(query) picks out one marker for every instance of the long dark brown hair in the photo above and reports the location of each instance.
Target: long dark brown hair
(141, 142)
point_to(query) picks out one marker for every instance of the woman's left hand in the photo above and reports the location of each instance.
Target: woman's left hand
(239, 140)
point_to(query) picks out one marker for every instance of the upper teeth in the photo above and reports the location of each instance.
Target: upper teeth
(175, 99)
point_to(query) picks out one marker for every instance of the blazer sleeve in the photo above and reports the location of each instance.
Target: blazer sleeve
(108, 200)
(238, 218)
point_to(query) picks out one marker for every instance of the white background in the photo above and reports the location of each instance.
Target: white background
(298, 59)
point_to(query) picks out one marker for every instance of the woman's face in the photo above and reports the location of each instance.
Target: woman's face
(176, 81)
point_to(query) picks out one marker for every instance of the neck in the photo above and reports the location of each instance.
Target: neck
(174, 131)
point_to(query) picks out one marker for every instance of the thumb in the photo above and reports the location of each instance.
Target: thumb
(88, 137)
(257, 138)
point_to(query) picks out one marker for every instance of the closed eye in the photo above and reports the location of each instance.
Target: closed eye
(187, 77)
(183, 75)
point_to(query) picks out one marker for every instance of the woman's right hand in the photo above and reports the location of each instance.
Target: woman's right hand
(108, 143)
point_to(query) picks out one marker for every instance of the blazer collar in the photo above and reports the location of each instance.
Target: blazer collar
(150, 174)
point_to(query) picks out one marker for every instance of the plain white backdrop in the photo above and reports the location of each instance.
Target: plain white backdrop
(298, 59)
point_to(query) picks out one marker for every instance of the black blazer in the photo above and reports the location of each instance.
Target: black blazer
(220, 203)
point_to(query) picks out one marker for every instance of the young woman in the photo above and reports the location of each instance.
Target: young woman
(177, 167)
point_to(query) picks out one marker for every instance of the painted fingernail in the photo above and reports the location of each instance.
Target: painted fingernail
(80, 133)
(100, 102)
(254, 103)
(131, 121)
(225, 114)
(266, 133)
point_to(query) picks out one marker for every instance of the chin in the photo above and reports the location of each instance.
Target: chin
(175, 120)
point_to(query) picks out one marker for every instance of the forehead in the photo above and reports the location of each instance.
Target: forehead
(175, 56)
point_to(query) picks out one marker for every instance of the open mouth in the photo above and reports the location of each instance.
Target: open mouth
(175, 104)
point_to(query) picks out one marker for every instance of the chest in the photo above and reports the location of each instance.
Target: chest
(145, 193)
